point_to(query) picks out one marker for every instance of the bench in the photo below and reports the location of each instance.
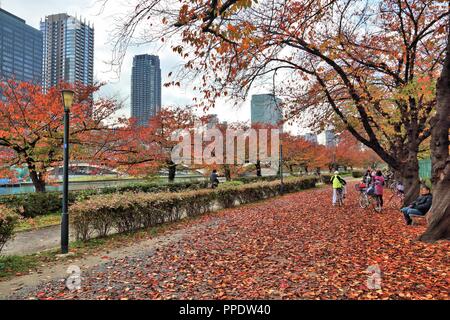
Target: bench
(417, 218)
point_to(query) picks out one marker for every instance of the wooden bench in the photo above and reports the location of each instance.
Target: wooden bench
(417, 218)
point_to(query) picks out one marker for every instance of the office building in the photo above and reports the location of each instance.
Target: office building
(68, 50)
(20, 50)
(145, 88)
(266, 110)
(311, 137)
(331, 139)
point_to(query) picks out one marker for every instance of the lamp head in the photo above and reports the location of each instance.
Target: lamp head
(68, 97)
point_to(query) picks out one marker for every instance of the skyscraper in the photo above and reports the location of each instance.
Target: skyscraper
(145, 88)
(330, 138)
(311, 137)
(20, 50)
(266, 109)
(68, 50)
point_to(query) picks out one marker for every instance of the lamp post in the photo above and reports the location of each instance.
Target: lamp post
(67, 97)
(281, 162)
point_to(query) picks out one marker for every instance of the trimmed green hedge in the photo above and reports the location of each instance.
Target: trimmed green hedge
(31, 205)
(326, 178)
(8, 220)
(127, 212)
(357, 174)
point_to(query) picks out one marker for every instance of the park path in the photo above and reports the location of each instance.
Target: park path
(292, 247)
(34, 241)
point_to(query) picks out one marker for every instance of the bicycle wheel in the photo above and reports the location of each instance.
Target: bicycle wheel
(395, 202)
(363, 200)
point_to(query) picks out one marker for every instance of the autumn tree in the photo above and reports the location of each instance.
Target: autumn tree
(298, 152)
(31, 126)
(144, 150)
(439, 216)
(373, 64)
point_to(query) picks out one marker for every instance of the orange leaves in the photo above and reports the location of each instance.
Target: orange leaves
(31, 124)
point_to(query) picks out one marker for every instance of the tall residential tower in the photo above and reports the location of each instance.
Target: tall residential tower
(68, 50)
(145, 88)
(20, 50)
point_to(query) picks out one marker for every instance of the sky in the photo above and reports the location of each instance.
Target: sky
(120, 85)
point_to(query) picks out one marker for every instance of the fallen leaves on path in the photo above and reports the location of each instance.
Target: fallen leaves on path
(294, 247)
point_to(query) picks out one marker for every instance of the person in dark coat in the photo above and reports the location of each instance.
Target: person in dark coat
(214, 179)
(420, 207)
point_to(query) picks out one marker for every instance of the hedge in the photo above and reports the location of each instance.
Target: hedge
(357, 174)
(31, 205)
(326, 178)
(127, 212)
(8, 219)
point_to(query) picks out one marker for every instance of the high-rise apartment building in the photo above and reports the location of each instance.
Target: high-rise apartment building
(266, 109)
(145, 88)
(20, 50)
(68, 50)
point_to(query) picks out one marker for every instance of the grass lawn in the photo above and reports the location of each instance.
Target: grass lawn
(47, 220)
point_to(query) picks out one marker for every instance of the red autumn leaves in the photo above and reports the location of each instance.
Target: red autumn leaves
(294, 247)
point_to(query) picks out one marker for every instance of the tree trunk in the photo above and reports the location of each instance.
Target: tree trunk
(439, 216)
(409, 175)
(172, 170)
(291, 169)
(38, 180)
(227, 172)
(258, 169)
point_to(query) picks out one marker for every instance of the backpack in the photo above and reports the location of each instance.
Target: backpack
(371, 190)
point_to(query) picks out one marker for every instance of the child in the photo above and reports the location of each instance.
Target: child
(338, 183)
(379, 188)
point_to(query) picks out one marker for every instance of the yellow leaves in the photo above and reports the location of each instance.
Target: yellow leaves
(422, 88)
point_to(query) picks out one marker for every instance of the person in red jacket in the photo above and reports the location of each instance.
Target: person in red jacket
(379, 188)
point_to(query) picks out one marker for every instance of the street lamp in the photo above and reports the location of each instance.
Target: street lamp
(281, 162)
(67, 98)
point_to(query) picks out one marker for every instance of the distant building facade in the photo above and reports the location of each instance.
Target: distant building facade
(330, 138)
(20, 50)
(265, 109)
(68, 50)
(311, 137)
(145, 88)
(212, 121)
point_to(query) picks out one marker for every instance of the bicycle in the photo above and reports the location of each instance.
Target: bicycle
(396, 200)
(365, 200)
(340, 197)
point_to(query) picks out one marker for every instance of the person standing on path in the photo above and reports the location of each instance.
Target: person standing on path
(379, 188)
(338, 183)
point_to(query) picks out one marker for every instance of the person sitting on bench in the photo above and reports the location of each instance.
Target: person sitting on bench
(420, 207)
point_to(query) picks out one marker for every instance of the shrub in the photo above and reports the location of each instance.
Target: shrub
(34, 204)
(127, 212)
(8, 220)
(326, 178)
(357, 174)
(31, 205)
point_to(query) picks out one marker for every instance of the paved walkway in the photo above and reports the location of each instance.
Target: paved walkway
(34, 241)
